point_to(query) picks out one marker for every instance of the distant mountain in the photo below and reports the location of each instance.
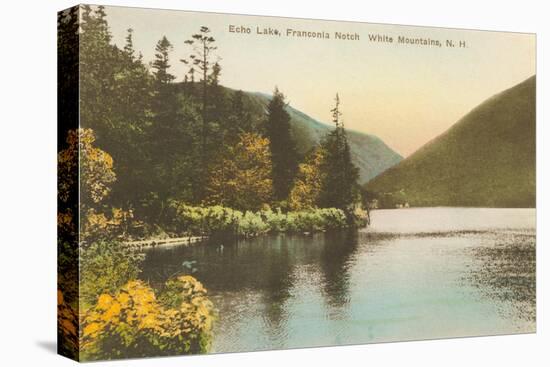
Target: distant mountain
(371, 155)
(487, 159)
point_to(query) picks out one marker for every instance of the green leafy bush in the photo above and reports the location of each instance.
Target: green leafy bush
(333, 218)
(201, 221)
(215, 220)
(252, 224)
(218, 219)
(278, 221)
(105, 266)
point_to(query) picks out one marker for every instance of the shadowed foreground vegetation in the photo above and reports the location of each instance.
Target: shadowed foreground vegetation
(154, 157)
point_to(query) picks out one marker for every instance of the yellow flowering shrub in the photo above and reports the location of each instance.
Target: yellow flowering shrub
(96, 168)
(100, 225)
(241, 176)
(307, 185)
(96, 178)
(117, 317)
(134, 323)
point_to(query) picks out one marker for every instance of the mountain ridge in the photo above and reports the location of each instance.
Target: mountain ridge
(487, 158)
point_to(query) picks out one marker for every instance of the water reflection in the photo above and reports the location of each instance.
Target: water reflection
(256, 278)
(423, 281)
(335, 264)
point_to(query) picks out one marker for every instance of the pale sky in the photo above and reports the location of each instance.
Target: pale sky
(404, 94)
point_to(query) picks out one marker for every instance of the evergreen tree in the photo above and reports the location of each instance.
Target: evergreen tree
(215, 75)
(239, 119)
(282, 146)
(166, 138)
(191, 80)
(129, 46)
(217, 112)
(201, 58)
(161, 63)
(98, 62)
(340, 188)
(186, 85)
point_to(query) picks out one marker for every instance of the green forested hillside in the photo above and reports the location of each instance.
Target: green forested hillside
(486, 159)
(369, 153)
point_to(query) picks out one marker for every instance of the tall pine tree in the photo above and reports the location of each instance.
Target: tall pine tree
(161, 63)
(283, 148)
(239, 119)
(201, 58)
(167, 140)
(340, 188)
(201, 61)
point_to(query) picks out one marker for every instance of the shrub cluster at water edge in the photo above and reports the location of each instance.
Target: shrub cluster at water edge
(210, 220)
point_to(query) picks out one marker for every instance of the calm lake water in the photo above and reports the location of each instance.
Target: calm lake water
(414, 274)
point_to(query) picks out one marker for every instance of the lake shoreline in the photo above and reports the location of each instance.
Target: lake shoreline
(444, 272)
(145, 244)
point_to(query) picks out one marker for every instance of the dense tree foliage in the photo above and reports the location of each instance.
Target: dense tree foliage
(93, 324)
(241, 179)
(328, 177)
(309, 181)
(340, 188)
(115, 102)
(67, 216)
(283, 148)
(195, 141)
